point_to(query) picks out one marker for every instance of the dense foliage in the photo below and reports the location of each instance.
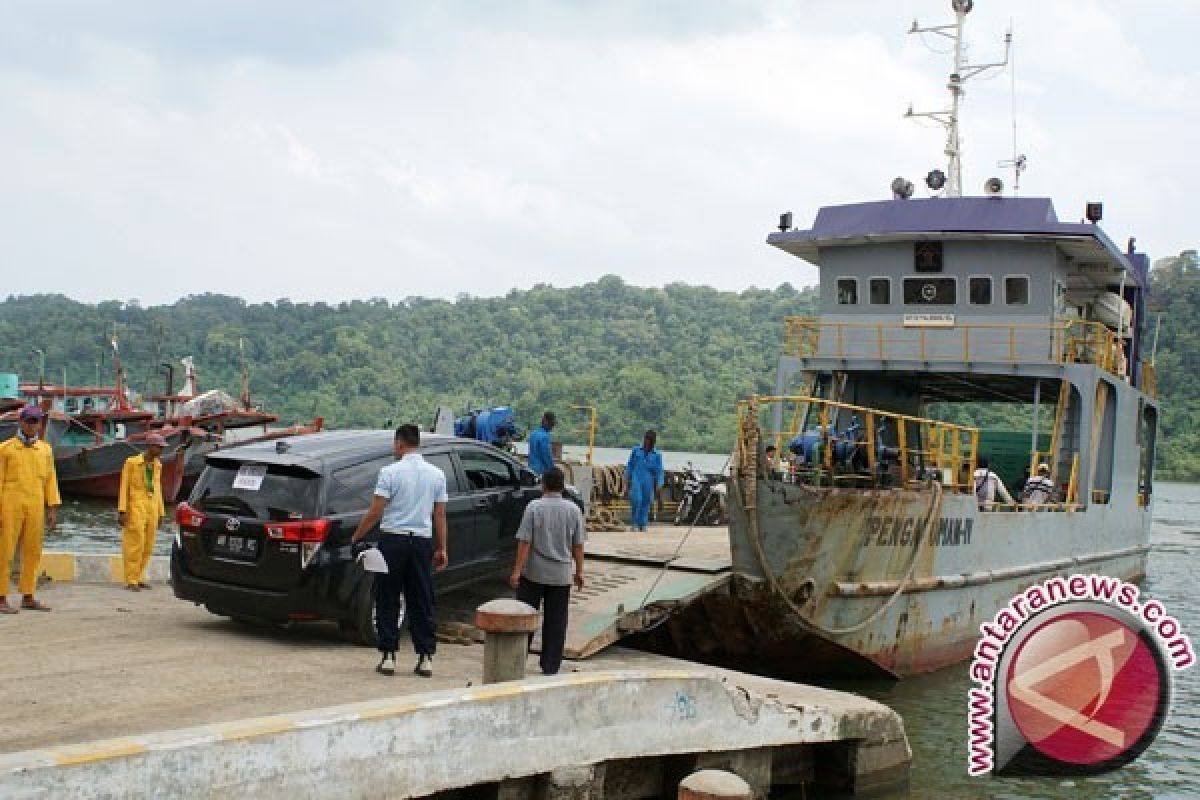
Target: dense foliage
(1176, 296)
(674, 358)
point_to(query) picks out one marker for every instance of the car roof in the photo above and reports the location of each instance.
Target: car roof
(318, 452)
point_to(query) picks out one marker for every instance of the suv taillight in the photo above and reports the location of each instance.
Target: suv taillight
(308, 530)
(188, 517)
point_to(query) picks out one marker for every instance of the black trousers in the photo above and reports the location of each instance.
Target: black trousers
(410, 574)
(554, 619)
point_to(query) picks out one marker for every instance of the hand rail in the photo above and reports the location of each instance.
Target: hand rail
(885, 449)
(1060, 342)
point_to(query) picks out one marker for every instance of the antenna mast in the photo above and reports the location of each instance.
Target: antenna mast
(245, 398)
(961, 74)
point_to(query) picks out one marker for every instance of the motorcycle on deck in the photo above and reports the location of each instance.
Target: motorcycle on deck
(703, 501)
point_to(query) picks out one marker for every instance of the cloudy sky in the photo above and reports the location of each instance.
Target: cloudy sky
(354, 149)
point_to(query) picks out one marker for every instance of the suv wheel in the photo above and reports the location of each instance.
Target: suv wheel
(361, 629)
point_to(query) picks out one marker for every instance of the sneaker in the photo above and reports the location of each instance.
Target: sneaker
(424, 666)
(387, 664)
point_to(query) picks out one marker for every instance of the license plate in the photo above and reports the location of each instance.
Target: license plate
(236, 546)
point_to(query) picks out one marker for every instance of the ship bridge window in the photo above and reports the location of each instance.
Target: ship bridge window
(930, 291)
(1016, 290)
(881, 291)
(847, 291)
(979, 290)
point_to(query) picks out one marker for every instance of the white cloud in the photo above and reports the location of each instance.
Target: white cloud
(474, 147)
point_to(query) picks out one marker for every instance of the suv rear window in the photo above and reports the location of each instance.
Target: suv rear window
(285, 493)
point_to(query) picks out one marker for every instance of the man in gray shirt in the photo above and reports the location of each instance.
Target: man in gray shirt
(550, 538)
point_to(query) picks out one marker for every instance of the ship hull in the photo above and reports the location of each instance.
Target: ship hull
(888, 581)
(95, 471)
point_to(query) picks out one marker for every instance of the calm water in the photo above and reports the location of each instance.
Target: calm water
(933, 706)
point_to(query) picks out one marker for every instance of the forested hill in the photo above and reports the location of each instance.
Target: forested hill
(1176, 297)
(675, 358)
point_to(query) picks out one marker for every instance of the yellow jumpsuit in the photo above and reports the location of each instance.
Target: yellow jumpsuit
(143, 509)
(28, 485)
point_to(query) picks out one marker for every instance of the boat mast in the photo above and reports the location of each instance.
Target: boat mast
(245, 374)
(122, 403)
(961, 74)
(190, 387)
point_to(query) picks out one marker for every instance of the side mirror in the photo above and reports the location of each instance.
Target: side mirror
(528, 478)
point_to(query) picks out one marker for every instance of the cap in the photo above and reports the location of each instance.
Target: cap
(31, 412)
(1043, 467)
(155, 438)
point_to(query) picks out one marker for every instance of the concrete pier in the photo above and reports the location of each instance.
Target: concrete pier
(140, 695)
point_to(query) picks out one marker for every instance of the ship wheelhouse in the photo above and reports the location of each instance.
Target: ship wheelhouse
(974, 308)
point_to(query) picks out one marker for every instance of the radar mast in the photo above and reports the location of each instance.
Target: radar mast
(963, 72)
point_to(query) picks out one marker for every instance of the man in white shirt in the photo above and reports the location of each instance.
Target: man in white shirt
(988, 487)
(410, 508)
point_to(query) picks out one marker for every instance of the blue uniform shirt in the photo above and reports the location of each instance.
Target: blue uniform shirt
(411, 486)
(644, 470)
(540, 456)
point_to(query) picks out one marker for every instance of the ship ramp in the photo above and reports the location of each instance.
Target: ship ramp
(636, 580)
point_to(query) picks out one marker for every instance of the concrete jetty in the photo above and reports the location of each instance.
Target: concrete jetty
(119, 694)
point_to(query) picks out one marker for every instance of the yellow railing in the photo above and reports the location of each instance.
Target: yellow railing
(1062, 342)
(859, 446)
(1149, 383)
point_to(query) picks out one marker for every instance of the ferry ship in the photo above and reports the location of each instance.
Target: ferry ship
(865, 548)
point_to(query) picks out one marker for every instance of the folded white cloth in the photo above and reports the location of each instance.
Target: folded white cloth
(372, 560)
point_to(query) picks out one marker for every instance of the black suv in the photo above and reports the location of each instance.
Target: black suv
(266, 532)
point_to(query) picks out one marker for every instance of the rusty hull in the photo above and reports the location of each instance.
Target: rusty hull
(840, 555)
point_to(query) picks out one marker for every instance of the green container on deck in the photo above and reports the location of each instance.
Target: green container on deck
(8, 386)
(1008, 452)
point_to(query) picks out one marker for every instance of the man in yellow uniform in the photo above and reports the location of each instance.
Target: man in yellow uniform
(28, 501)
(140, 509)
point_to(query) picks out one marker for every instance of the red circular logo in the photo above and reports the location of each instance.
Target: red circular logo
(1084, 688)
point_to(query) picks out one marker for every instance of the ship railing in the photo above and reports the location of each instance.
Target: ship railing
(1149, 383)
(830, 443)
(938, 339)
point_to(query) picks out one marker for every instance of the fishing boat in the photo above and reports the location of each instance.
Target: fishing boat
(868, 550)
(214, 410)
(93, 430)
(216, 418)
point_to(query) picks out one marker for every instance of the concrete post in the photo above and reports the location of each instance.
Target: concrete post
(506, 625)
(714, 784)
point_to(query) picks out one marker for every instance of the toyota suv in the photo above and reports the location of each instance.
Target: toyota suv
(265, 534)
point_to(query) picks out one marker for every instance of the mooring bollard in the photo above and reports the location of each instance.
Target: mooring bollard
(714, 784)
(506, 624)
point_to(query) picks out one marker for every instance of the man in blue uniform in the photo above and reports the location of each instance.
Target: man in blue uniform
(541, 457)
(644, 477)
